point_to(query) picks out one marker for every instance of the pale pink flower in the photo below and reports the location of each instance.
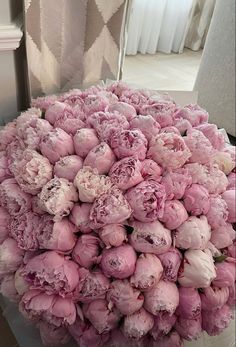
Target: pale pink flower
(58, 197)
(118, 262)
(214, 297)
(86, 251)
(213, 134)
(85, 139)
(90, 184)
(147, 200)
(162, 111)
(164, 296)
(123, 108)
(148, 272)
(101, 157)
(170, 261)
(215, 321)
(67, 167)
(169, 150)
(193, 113)
(223, 236)
(196, 200)
(113, 235)
(218, 212)
(197, 270)
(126, 173)
(176, 182)
(150, 237)
(101, 316)
(56, 144)
(138, 324)
(126, 143)
(174, 214)
(150, 169)
(11, 256)
(230, 198)
(147, 124)
(126, 298)
(194, 233)
(199, 146)
(189, 303)
(79, 216)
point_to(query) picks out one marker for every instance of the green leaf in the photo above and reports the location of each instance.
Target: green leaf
(220, 259)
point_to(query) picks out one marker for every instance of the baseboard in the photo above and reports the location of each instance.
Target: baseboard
(10, 36)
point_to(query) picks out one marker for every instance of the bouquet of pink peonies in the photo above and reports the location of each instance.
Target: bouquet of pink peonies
(116, 219)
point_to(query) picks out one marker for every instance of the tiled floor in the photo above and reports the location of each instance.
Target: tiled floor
(163, 71)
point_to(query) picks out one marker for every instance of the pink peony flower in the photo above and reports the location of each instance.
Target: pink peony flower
(169, 150)
(109, 208)
(162, 111)
(4, 224)
(101, 157)
(150, 237)
(170, 129)
(92, 285)
(170, 261)
(200, 147)
(150, 169)
(231, 181)
(20, 283)
(183, 125)
(67, 167)
(14, 152)
(32, 129)
(225, 274)
(113, 235)
(11, 256)
(107, 123)
(8, 289)
(194, 233)
(210, 177)
(136, 98)
(224, 161)
(95, 103)
(55, 111)
(230, 198)
(126, 143)
(79, 216)
(36, 306)
(138, 324)
(118, 262)
(218, 212)
(126, 173)
(58, 236)
(126, 298)
(214, 297)
(85, 139)
(163, 323)
(174, 214)
(7, 134)
(53, 335)
(196, 200)
(147, 124)
(52, 273)
(223, 236)
(171, 340)
(176, 182)
(4, 170)
(123, 108)
(147, 273)
(13, 198)
(147, 200)
(70, 119)
(215, 137)
(215, 321)
(189, 329)
(86, 251)
(37, 206)
(25, 229)
(56, 144)
(32, 172)
(232, 296)
(86, 335)
(198, 270)
(193, 113)
(164, 296)
(91, 185)
(43, 102)
(101, 316)
(57, 197)
(189, 303)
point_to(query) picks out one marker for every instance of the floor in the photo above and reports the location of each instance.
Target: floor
(162, 71)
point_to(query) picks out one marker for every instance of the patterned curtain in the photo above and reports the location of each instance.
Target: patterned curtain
(73, 43)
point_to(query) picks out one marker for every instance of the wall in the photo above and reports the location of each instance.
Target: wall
(10, 36)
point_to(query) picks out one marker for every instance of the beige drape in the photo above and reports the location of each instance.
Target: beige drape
(73, 43)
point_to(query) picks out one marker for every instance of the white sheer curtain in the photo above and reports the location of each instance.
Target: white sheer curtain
(161, 25)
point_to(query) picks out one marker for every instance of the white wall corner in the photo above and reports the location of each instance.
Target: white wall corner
(10, 36)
